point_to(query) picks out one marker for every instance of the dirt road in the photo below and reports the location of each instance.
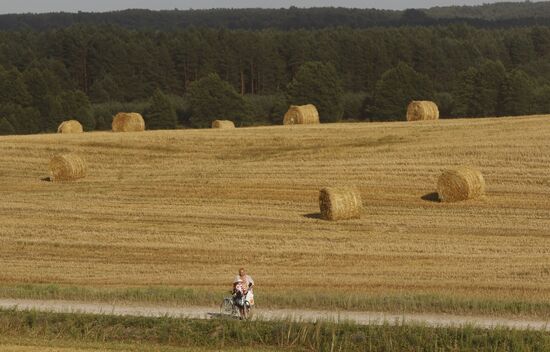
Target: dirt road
(363, 318)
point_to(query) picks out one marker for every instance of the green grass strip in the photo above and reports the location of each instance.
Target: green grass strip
(298, 336)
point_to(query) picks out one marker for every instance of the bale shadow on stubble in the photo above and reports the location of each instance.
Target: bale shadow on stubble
(46, 179)
(431, 197)
(316, 216)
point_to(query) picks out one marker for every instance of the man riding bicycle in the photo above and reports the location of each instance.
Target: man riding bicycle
(247, 285)
(243, 296)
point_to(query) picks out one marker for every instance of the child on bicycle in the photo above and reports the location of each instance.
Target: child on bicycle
(239, 288)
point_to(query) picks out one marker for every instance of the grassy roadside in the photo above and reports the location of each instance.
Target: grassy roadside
(86, 330)
(420, 303)
(45, 345)
(67, 345)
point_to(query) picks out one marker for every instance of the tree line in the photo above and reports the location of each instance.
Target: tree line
(90, 72)
(489, 15)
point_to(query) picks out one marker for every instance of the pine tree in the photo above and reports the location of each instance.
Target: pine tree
(5, 127)
(467, 94)
(396, 89)
(13, 89)
(542, 100)
(516, 95)
(445, 102)
(520, 48)
(23, 120)
(160, 114)
(76, 105)
(318, 83)
(55, 114)
(541, 40)
(104, 90)
(492, 75)
(211, 98)
(477, 90)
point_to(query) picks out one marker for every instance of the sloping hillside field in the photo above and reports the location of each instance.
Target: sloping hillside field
(186, 208)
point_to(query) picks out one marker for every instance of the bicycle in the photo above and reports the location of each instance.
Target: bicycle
(228, 307)
(234, 306)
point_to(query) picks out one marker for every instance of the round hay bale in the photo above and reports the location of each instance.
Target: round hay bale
(67, 167)
(223, 124)
(422, 110)
(301, 115)
(128, 122)
(71, 126)
(340, 203)
(462, 183)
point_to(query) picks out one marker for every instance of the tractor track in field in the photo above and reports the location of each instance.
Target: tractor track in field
(362, 318)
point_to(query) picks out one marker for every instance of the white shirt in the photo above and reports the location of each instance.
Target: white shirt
(247, 278)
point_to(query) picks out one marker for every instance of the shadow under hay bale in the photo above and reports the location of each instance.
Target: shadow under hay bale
(301, 115)
(431, 197)
(315, 216)
(422, 110)
(223, 124)
(340, 203)
(67, 167)
(128, 122)
(71, 126)
(459, 184)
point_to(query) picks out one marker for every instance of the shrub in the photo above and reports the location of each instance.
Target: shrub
(5, 127)
(267, 109)
(353, 104)
(160, 114)
(318, 83)
(76, 105)
(445, 102)
(396, 89)
(211, 98)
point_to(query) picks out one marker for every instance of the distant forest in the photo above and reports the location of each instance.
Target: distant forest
(90, 66)
(497, 15)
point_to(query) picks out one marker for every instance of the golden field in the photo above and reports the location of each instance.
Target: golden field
(186, 208)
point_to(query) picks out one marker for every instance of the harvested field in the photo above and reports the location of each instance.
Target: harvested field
(157, 206)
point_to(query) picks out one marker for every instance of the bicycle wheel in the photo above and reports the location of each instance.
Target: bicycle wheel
(227, 307)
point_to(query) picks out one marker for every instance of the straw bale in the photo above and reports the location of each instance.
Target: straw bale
(301, 115)
(422, 110)
(223, 124)
(71, 126)
(462, 183)
(340, 203)
(128, 122)
(67, 167)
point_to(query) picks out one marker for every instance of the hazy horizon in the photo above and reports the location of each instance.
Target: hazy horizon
(40, 6)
